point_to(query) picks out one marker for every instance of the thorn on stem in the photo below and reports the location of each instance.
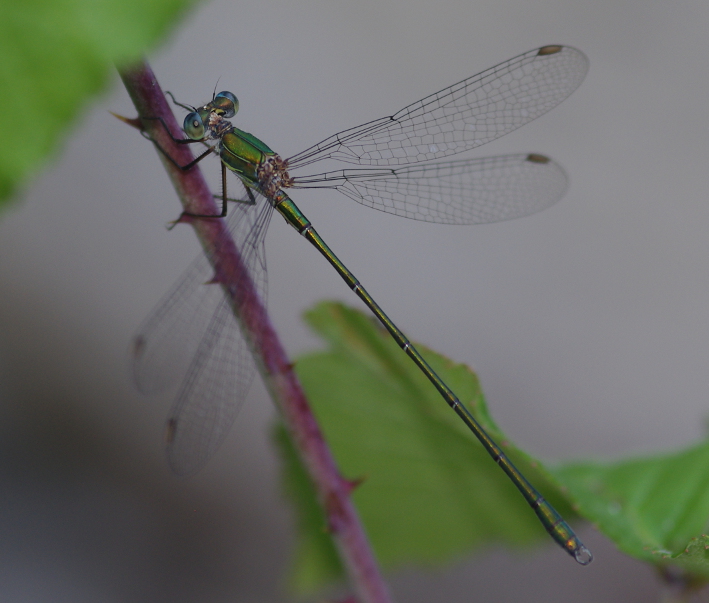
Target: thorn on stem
(353, 484)
(131, 121)
(214, 281)
(183, 219)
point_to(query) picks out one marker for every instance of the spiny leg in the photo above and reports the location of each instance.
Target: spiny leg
(250, 201)
(182, 168)
(224, 198)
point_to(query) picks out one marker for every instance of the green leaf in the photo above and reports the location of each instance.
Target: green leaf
(317, 562)
(55, 55)
(655, 509)
(430, 493)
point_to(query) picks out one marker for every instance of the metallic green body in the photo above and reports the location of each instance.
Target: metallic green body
(552, 521)
(262, 170)
(243, 153)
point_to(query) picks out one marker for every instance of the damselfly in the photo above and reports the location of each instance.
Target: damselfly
(194, 335)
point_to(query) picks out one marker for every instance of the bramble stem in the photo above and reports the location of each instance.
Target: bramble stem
(275, 367)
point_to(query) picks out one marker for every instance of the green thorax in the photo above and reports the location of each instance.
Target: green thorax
(243, 153)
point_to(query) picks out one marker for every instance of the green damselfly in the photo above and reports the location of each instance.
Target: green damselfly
(193, 334)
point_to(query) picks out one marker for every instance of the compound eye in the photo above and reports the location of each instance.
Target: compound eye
(193, 126)
(226, 102)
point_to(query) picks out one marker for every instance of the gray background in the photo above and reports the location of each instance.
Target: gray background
(587, 323)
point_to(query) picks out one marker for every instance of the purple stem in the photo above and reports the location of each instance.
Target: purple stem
(332, 489)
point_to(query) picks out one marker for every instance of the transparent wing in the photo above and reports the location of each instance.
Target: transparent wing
(472, 191)
(194, 337)
(463, 116)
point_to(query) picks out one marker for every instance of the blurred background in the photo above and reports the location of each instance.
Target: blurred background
(588, 324)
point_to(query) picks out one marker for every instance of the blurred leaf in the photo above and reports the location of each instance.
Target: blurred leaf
(317, 562)
(55, 55)
(655, 509)
(430, 492)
